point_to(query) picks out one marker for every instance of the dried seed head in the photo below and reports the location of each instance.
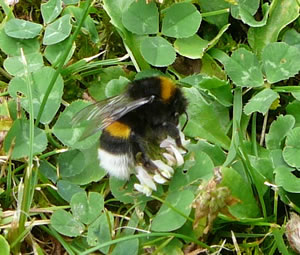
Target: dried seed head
(293, 232)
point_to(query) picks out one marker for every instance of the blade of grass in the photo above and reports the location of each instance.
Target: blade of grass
(237, 114)
(8, 186)
(21, 235)
(278, 233)
(7, 10)
(168, 234)
(83, 65)
(62, 61)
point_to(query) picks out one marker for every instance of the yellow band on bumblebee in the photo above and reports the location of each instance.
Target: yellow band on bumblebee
(118, 129)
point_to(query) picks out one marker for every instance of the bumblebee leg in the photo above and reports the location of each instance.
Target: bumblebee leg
(140, 154)
(173, 131)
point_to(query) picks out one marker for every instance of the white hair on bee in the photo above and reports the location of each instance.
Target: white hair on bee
(117, 165)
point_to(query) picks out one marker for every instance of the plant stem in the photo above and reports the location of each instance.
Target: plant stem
(253, 134)
(263, 131)
(4, 94)
(275, 204)
(214, 13)
(28, 189)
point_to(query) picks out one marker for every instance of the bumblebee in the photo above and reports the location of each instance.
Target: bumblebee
(149, 108)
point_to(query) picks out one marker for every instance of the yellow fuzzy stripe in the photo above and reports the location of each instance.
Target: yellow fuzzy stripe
(167, 88)
(118, 129)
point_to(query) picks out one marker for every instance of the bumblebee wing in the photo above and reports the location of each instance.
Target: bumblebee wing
(101, 114)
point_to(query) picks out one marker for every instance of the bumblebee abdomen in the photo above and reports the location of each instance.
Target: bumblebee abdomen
(115, 153)
(115, 138)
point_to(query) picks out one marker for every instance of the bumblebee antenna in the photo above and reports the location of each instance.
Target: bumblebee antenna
(187, 120)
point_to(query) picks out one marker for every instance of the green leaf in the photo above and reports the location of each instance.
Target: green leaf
(244, 69)
(116, 86)
(219, 89)
(292, 148)
(70, 135)
(4, 246)
(250, 5)
(48, 170)
(242, 190)
(248, 19)
(54, 52)
(101, 231)
(141, 18)
(12, 46)
(281, 61)
(20, 132)
(51, 10)
(115, 9)
(262, 171)
(58, 31)
(66, 224)
(293, 109)
(282, 13)
(67, 189)
(71, 163)
(285, 179)
(216, 154)
(189, 176)
(174, 246)
(41, 79)
(87, 208)
(279, 130)
(245, 11)
(67, 2)
(204, 81)
(261, 102)
(157, 51)
(192, 47)
(97, 89)
(181, 20)
(206, 120)
(292, 38)
(22, 29)
(167, 219)
(120, 189)
(277, 158)
(130, 246)
(15, 65)
(92, 172)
